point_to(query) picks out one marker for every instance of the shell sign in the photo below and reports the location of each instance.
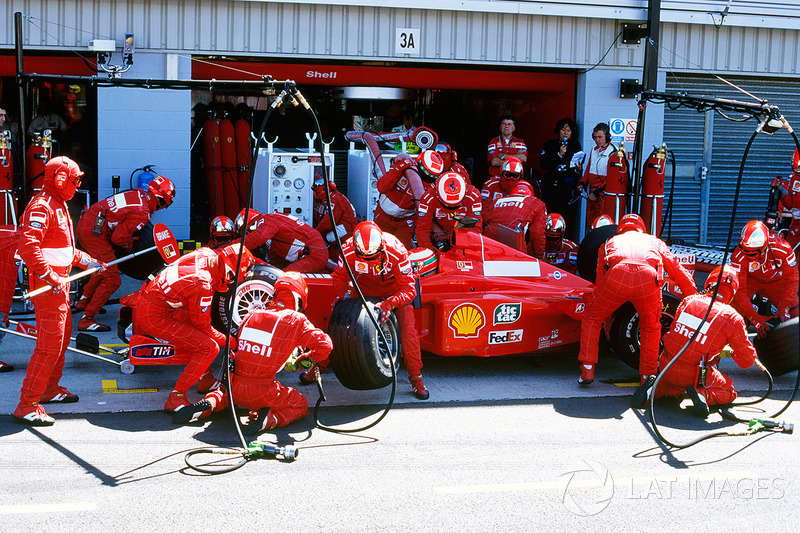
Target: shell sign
(466, 320)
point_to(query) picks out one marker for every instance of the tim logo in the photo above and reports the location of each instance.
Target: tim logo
(153, 351)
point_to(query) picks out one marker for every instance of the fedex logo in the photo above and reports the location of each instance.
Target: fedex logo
(505, 337)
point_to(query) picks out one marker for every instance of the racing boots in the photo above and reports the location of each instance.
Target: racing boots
(58, 395)
(641, 396)
(5, 367)
(175, 401)
(207, 382)
(418, 388)
(587, 375)
(699, 402)
(264, 420)
(197, 411)
(87, 323)
(33, 414)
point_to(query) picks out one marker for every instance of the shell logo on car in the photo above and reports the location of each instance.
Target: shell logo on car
(466, 320)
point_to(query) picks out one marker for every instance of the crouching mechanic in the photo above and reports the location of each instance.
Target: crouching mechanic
(284, 241)
(175, 307)
(696, 372)
(343, 213)
(266, 341)
(380, 264)
(47, 245)
(630, 268)
(113, 222)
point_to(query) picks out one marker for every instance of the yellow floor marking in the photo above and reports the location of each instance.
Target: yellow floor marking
(632, 384)
(48, 508)
(110, 387)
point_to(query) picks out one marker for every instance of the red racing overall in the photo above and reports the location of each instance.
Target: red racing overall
(565, 257)
(175, 307)
(526, 213)
(723, 326)
(293, 244)
(401, 190)
(435, 222)
(343, 213)
(108, 223)
(594, 180)
(630, 268)
(502, 146)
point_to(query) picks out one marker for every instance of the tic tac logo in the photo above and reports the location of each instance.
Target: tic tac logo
(505, 337)
(507, 313)
(466, 320)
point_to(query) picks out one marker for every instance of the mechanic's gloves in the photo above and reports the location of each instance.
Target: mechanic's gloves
(52, 279)
(99, 265)
(384, 309)
(299, 360)
(762, 325)
(401, 163)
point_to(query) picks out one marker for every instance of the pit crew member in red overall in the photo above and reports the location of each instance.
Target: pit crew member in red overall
(47, 245)
(521, 211)
(9, 271)
(450, 160)
(765, 263)
(450, 200)
(696, 372)
(175, 307)
(382, 269)
(290, 243)
(593, 182)
(401, 190)
(343, 212)
(113, 222)
(267, 338)
(500, 186)
(558, 250)
(789, 204)
(221, 232)
(504, 146)
(630, 268)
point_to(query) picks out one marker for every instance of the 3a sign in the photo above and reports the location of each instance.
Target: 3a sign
(407, 41)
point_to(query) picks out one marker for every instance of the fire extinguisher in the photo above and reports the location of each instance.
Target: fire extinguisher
(7, 210)
(37, 156)
(617, 184)
(653, 189)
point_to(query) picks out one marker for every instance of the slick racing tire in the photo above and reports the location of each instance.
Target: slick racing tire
(625, 328)
(143, 265)
(587, 251)
(359, 358)
(778, 350)
(255, 292)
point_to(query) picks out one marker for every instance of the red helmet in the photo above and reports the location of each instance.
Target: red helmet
(555, 226)
(446, 153)
(523, 188)
(64, 174)
(229, 257)
(222, 229)
(451, 188)
(294, 283)
(252, 214)
(512, 170)
(754, 238)
(160, 193)
(602, 220)
(319, 188)
(424, 261)
(430, 165)
(368, 241)
(728, 283)
(796, 162)
(631, 222)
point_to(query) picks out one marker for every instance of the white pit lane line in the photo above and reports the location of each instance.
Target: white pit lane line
(36, 508)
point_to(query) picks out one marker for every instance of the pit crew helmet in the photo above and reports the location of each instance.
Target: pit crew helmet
(64, 174)
(554, 228)
(430, 165)
(319, 188)
(728, 283)
(423, 261)
(251, 216)
(294, 283)
(602, 220)
(754, 238)
(523, 188)
(446, 153)
(511, 172)
(222, 229)
(229, 257)
(368, 242)
(451, 188)
(631, 222)
(160, 193)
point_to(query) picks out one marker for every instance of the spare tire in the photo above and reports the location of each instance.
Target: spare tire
(359, 358)
(143, 265)
(625, 328)
(255, 292)
(778, 350)
(587, 251)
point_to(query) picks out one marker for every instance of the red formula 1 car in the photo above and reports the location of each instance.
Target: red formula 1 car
(482, 299)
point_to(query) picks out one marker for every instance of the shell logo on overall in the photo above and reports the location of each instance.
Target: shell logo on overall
(466, 320)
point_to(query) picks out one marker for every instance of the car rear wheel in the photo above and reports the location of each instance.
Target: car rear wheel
(255, 292)
(625, 328)
(360, 358)
(778, 350)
